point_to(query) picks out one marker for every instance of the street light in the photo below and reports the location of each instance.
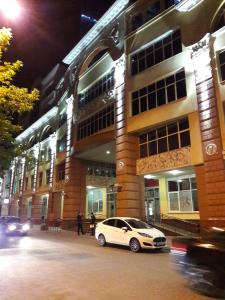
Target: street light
(10, 8)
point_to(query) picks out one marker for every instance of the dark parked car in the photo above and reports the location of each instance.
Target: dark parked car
(11, 225)
(203, 261)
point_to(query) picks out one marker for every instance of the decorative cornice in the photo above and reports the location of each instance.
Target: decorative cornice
(164, 161)
(96, 30)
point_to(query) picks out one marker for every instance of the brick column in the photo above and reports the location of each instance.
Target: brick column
(74, 189)
(128, 195)
(210, 176)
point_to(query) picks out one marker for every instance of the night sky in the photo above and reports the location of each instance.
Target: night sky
(46, 32)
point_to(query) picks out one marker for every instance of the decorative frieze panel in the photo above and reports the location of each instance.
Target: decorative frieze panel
(99, 181)
(164, 161)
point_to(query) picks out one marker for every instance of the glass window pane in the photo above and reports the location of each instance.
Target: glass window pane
(143, 150)
(143, 138)
(184, 184)
(172, 186)
(158, 55)
(173, 142)
(172, 128)
(161, 97)
(162, 145)
(152, 148)
(222, 69)
(185, 139)
(143, 104)
(183, 124)
(161, 131)
(174, 202)
(151, 100)
(177, 46)
(185, 201)
(181, 89)
(168, 51)
(135, 107)
(152, 135)
(171, 95)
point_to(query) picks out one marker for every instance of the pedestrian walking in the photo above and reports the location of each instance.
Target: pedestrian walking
(92, 224)
(80, 223)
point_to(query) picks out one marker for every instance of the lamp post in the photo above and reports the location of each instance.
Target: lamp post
(10, 8)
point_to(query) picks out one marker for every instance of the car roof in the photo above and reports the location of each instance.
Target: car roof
(122, 218)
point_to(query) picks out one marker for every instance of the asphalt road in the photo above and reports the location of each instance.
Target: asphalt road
(63, 266)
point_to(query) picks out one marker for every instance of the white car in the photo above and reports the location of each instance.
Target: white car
(129, 232)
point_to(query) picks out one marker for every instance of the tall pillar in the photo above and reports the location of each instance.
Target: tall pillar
(210, 176)
(128, 195)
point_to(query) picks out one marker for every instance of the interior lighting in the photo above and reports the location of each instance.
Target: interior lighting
(6, 201)
(175, 172)
(10, 8)
(149, 176)
(108, 152)
(89, 187)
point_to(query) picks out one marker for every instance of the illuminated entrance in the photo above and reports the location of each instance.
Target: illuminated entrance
(152, 200)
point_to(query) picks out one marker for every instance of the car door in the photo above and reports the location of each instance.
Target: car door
(109, 230)
(122, 236)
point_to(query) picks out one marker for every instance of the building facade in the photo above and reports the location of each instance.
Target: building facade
(132, 122)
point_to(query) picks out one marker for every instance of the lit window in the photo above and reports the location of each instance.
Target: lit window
(182, 194)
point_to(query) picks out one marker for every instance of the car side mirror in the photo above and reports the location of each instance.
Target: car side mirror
(125, 229)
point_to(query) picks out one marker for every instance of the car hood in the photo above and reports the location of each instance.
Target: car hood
(151, 231)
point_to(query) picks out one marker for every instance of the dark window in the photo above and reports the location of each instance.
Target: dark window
(48, 176)
(165, 138)
(169, 3)
(157, 52)
(153, 10)
(159, 93)
(40, 179)
(61, 172)
(99, 121)
(96, 90)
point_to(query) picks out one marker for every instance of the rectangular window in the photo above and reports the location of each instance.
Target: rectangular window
(40, 179)
(172, 136)
(26, 183)
(48, 176)
(62, 118)
(182, 195)
(61, 145)
(169, 89)
(100, 87)
(222, 64)
(158, 51)
(32, 182)
(96, 123)
(61, 172)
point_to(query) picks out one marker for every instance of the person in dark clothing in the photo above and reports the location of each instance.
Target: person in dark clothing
(92, 224)
(80, 223)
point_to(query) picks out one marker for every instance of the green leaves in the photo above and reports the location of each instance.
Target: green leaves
(12, 100)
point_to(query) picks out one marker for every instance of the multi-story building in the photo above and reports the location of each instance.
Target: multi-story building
(135, 124)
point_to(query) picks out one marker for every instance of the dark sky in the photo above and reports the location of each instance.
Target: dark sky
(46, 31)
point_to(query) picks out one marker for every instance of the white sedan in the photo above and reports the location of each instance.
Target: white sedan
(129, 232)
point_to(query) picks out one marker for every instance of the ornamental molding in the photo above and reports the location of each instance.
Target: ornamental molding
(202, 44)
(164, 161)
(211, 149)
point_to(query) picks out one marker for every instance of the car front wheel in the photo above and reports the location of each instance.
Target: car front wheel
(135, 245)
(101, 240)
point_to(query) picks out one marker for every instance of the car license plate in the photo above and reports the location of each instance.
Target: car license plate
(160, 244)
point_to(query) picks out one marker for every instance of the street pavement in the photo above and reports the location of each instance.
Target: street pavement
(64, 266)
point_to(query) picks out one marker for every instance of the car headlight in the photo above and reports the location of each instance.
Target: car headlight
(12, 227)
(25, 227)
(145, 234)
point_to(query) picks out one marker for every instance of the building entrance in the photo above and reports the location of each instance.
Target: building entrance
(152, 204)
(111, 204)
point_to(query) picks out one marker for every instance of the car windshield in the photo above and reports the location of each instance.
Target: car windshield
(138, 224)
(13, 220)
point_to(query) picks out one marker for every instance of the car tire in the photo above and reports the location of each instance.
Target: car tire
(101, 240)
(135, 245)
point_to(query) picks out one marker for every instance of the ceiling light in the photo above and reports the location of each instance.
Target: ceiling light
(149, 176)
(175, 172)
(108, 152)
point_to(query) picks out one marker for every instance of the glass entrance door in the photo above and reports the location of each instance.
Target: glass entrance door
(152, 204)
(111, 204)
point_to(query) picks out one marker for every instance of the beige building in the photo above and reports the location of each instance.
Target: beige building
(132, 122)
